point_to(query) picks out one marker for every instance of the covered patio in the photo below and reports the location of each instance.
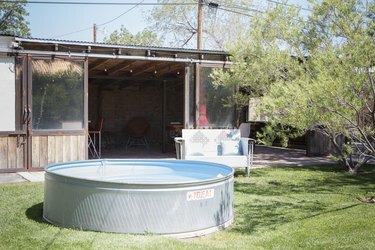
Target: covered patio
(62, 88)
(121, 90)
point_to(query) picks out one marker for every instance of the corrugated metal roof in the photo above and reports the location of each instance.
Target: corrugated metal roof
(118, 46)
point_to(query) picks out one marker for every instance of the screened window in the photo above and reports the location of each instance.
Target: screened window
(57, 94)
(213, 111)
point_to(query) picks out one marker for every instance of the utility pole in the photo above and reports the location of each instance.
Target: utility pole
(200, 23)
(94, 30)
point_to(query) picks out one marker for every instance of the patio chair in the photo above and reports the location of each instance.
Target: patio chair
(137, 129)
(95, 138)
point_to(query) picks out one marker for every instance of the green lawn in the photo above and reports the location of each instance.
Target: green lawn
(283, 208)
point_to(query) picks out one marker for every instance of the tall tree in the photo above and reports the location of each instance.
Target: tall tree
(177, 21)
(123, 36)
(12, 19)
(314, 75)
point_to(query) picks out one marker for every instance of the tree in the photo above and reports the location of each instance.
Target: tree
(314, 75)
(261, 56)
(145, 37)
(177, 21)
(12, 19)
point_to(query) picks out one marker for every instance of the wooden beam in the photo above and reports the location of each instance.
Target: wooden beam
(172, 68)
(121, 66)
(96, 78)
(144, 68)
(165, 66)
(97, 63)
(130, 78)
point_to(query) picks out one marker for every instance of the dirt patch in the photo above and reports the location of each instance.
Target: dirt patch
(367, 200)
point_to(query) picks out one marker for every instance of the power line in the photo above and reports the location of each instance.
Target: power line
(243, 8)
(133, 3)
(105, 23)
(235, 7)
(230, 7)
(288, 5)
(95, 3)
(233, 11)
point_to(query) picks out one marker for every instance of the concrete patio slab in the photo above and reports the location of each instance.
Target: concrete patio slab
(264, 156)
(274, 156)
(32, 176)
(11, 178)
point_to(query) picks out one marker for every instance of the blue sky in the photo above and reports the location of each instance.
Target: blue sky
(55, 21)
(52, 21)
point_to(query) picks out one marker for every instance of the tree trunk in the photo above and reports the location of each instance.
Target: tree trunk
(345, 160)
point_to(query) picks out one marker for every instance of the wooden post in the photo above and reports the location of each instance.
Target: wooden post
(163, 121)
(197, 95)
(187, 97)
(200, 23)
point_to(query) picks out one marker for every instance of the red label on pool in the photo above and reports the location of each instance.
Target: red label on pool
(200, 195)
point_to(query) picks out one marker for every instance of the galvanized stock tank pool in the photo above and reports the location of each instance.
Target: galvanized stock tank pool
(169, 197)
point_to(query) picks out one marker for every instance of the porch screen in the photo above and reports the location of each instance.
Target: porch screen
(213, 111)
(57, 94)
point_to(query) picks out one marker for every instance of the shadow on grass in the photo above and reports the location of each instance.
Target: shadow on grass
(287, 180)
(253, 218)
(259, 215)
(268, 197)
(35, 213)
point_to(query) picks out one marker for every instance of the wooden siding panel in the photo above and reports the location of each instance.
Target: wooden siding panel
(66, 148)
(43, 151)
(3, 152)
(53, 149)
(51, 141)
(59, 148)
(74, 148)
(81, 147)
(12, 152)
(35, 147)
(20, 151)
(84, 147)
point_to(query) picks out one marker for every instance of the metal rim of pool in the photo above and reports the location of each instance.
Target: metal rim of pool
(167, 197)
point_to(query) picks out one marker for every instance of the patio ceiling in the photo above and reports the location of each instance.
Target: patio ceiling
(120, 69)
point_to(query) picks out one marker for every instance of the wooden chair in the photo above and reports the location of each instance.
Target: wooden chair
(95, 135)
(137, 129)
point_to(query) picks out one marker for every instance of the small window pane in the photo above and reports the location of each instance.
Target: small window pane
(213, 113)
(57, 94)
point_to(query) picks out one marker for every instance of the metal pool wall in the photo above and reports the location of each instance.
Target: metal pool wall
(178, 198)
